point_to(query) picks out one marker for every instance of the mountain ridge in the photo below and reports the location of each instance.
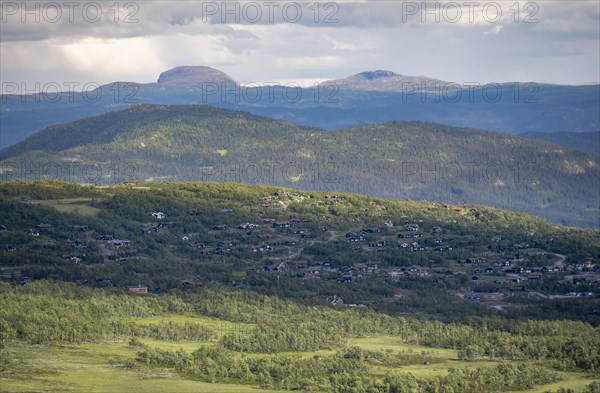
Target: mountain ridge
(193, 76)
(371, 97)
(396, 160)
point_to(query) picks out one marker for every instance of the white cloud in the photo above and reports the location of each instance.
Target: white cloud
(494, 30)
(373, 35)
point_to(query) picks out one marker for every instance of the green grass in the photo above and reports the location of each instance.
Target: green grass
(394, 343)
(99, 367)
(571, 380)
(77, 206)
(219, 326)
(86, 369)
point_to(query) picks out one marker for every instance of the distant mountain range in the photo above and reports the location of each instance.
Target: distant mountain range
(365, 98)
(387, 81)
(420, 161)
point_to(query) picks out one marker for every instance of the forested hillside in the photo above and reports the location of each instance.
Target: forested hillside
(450, 262)
(61, 337)
(399, 160)
(222, 287)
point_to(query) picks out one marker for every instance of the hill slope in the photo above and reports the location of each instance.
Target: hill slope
(305, 245)
(366, 98)
(394, 160)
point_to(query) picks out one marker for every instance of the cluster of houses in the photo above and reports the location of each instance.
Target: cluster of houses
(585, 265)
(263, 248)
(316, 269)
(414, 246)
(360, 236)
(413, 271)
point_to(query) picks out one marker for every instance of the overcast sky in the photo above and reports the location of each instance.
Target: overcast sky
(62, 42)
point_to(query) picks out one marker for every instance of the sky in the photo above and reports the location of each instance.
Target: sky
(74, 43)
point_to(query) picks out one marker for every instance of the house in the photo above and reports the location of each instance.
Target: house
(486, 290)
(357, 239)
(105, 237)
(337, 301)
(3, 229)
(119, 243)
(329, 267)
(220, 228)
(412, 228)
(42, 227)
(396, 273)
(282, 267)
(247, 226)
(378, 244)
(9, 248)
(80, 228)
(314, 270)
(281, 225)
(158, 215)
(137, 289)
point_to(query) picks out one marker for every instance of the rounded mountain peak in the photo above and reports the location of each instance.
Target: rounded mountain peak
(193, 76)
(377, 74)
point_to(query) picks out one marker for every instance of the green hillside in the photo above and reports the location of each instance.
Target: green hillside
(262, 288)
(394, 256)
(399, 160)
